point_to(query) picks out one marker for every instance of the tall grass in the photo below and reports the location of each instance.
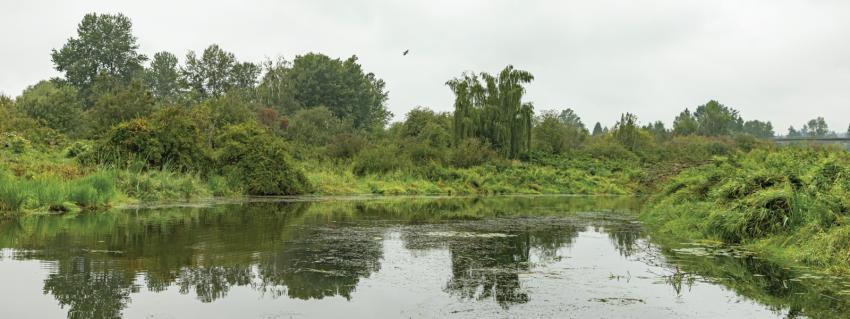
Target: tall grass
(12, 197)
(55, 194)
(792, 202)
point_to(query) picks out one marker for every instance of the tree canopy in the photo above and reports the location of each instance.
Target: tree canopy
(341, 86)
(104, 45)
(490, 107)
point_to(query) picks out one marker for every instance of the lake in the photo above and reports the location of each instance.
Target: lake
(390, 257)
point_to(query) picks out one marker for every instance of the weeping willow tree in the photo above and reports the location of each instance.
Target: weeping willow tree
(490, 108)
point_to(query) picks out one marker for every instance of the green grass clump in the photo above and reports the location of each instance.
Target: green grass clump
(12, 197)
(95, 190)
(791, 203)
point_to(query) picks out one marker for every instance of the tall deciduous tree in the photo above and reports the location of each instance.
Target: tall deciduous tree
(556, 133)
(627, 132)
(792, 132)
(275, 89)
(104, 45)
(657, 130)
(758, 128)
(491, 108)
(715, 119)
(341, 86)
(815, 128)
(216, 72)
(163, 77)
(685, 124)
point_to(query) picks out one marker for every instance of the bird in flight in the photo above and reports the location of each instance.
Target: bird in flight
(405, 52)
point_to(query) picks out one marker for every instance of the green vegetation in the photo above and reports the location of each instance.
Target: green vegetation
(789, 203)
(119, 128)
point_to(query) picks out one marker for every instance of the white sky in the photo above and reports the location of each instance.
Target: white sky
(778, 60)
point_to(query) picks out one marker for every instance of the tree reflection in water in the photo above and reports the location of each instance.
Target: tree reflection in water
(303, 250)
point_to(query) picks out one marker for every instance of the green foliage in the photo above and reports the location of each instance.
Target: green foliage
(315, 126)
(276, 90)
(715, 119)
(379, 160)
(490, 108)
(104, 45)
(557, 133)
(597, 129)
(78, 149)
(57, 105)
(12, 198)
(93, 191)
(628, 133)
(657, 131)
(763, 199)
(170, 138)
(116, 103)
(425, 135)
(217, 72)
(162, 185)
(15, 143)
(250, 154)
(341, 86)
(471, 152)
(346, 145)
(816, 127)
(758, 128)
(685, 124)
(163, 77)
(19, 125)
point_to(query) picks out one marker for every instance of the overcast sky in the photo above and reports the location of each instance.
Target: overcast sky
(778, 60)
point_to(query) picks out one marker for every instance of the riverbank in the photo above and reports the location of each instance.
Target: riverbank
(53, 182)
(787, 204)
(790, 205)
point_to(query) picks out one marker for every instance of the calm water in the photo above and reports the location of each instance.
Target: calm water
(528, 257)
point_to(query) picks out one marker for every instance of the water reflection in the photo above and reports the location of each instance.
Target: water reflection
(315, 250)
(791, 292)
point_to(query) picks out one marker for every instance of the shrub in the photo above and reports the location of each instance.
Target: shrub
(345, 145)
(315, 126)
(472, 152)
(250, 154)
(171, 138)
(15, 143)
(78, 149)
(378, 160)
(57, 105)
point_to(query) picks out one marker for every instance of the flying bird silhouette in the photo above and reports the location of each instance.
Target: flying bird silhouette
(405, 52)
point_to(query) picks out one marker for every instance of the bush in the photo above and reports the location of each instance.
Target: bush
(315, 126)
(15, 143)
(250, 154)
(379, 160)
(171, 138)
(345, 145)
(57, 105)
(472, 152)
(78, 149)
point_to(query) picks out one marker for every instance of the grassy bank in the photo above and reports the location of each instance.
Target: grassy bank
(39, 181)
(592, 178)
(790, 204)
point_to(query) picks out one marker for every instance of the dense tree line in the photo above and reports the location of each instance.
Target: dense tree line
(193, 113)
